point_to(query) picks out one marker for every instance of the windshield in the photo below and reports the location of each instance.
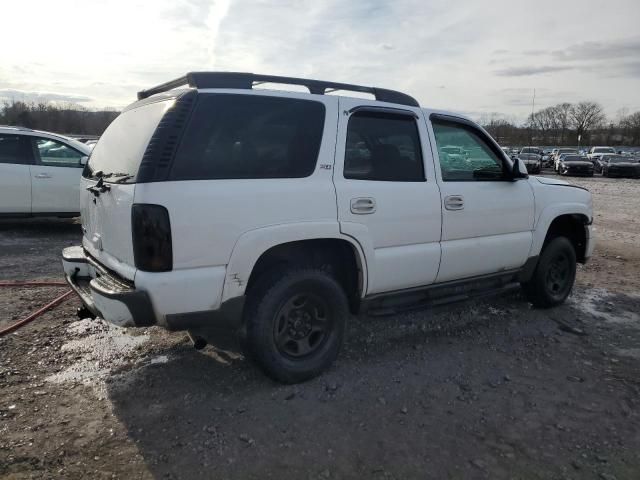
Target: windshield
(574, 158)
(604, 150)
(530, 150)
(119, 151)
(567, 150)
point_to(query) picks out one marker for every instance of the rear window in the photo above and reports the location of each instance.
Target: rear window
(122, 145)
(250, 136)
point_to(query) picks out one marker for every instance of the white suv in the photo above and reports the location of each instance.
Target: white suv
(279, 214)
(39, 173)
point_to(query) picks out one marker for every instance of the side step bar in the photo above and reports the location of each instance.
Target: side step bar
(442, 293)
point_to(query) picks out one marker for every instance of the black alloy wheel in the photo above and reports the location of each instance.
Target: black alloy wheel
(302, 325)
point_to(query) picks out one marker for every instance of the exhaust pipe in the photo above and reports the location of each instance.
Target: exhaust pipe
(84, 312)
(198, 342)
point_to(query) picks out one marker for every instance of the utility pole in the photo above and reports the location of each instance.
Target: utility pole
(533, 107)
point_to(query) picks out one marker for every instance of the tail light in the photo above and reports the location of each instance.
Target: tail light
(151, 231)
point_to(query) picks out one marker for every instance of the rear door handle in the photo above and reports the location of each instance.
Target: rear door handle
(363, 206)
(454, 202)
(43, 175)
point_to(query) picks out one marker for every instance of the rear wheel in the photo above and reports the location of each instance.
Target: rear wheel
(295, 323)
(554, 275)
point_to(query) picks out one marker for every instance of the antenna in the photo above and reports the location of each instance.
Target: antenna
(533, 107)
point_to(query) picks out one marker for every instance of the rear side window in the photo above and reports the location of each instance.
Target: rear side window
(383, 147)
(250, 136)
(15, 149)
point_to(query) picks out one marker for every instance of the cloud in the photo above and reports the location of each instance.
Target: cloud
(531, 70)
(600, 50)
(409, 45)
(19, 95)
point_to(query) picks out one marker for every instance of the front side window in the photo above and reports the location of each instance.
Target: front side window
(383, 147)
(56, 154)
(14, 149)
(464, 155)
(250, 136)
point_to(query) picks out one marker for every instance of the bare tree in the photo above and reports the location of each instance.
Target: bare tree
(544, 122)
(562, 113)
(631, 126)
(54, 117)
(586, 116)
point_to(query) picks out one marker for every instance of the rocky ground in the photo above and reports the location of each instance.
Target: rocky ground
(488, 389)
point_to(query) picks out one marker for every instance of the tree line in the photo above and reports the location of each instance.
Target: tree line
(583, 123)
(57, 118)
(560, 124)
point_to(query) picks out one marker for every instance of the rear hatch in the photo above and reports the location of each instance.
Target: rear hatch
(108, 185)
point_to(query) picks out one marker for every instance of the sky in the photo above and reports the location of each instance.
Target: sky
(470, 56)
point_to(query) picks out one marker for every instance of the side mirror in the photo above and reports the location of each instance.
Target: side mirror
(83, 160)
(518, 170)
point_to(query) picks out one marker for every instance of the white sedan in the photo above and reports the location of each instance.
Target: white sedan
(40, 173)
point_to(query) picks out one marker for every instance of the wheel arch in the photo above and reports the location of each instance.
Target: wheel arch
(571, 222)
(311, 243)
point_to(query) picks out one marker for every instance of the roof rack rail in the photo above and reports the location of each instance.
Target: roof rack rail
(247, 80)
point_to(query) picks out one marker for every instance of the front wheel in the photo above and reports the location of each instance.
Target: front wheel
(295, 323)
(554, 275)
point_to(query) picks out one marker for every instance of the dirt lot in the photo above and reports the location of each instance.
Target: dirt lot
(491, 389)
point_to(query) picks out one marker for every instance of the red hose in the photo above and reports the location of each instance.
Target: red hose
(17, 283)
(35, 314)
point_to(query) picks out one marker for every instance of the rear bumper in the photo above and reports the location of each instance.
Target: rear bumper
(104, 293)
(118, 301)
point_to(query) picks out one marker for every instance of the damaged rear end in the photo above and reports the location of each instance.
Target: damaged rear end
(124, 238)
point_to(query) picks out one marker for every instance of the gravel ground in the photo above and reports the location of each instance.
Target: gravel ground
(487, 389)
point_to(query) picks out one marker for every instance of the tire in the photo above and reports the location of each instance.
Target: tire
(554, 275)
(295, 323)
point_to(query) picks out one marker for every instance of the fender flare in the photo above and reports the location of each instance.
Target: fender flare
(548, 215)
(252, 244)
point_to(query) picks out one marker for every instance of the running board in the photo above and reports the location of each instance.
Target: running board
(442, 294)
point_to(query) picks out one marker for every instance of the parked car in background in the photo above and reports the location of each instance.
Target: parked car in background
(289, 237)
(535, 150)
(40, 173)
(619, 166)
(532, 161)
(556, 158)
(597, 152)
(575, 165)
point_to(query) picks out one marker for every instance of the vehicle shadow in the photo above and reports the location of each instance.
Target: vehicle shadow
(213, 411)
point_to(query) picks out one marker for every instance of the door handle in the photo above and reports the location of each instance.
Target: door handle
(454, 202)
(363, 206)
(43, 175)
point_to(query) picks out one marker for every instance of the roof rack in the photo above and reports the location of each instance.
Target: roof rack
(248, 80)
